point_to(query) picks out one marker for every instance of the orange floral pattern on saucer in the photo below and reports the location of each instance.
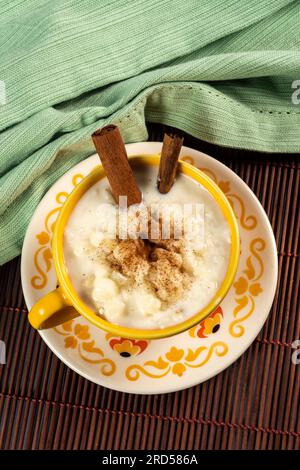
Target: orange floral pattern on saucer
(247, 222)
(78, 337)
(126, 347)
(247, 287)
(176, 361)
(43, 255)
(209, 325)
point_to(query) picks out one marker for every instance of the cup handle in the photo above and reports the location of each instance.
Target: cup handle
(51, 310)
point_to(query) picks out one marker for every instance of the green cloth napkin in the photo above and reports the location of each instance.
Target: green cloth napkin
(220, 70)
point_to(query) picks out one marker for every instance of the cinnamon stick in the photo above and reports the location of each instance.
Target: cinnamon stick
(111, 150)
(168, 162)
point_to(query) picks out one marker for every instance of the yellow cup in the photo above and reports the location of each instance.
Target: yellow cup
(64, 303)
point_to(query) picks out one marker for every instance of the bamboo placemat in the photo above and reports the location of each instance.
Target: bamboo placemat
(254, 404)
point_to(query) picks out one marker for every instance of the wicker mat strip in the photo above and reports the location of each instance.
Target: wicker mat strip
(254, 404)
(89, 411)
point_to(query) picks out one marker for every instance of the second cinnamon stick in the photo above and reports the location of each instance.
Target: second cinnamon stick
(168, 162)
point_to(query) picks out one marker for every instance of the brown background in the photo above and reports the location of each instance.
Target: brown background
(254, 404)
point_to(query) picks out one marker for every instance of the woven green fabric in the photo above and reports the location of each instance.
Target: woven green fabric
(220, 70)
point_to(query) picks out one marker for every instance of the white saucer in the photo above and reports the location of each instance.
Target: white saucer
(184, 360)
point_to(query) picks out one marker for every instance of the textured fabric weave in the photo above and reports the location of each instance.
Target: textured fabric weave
(220, 70)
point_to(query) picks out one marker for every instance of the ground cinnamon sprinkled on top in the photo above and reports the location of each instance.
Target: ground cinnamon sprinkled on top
(156, 264)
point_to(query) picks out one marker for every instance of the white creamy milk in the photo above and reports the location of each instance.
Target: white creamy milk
(164, 289)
